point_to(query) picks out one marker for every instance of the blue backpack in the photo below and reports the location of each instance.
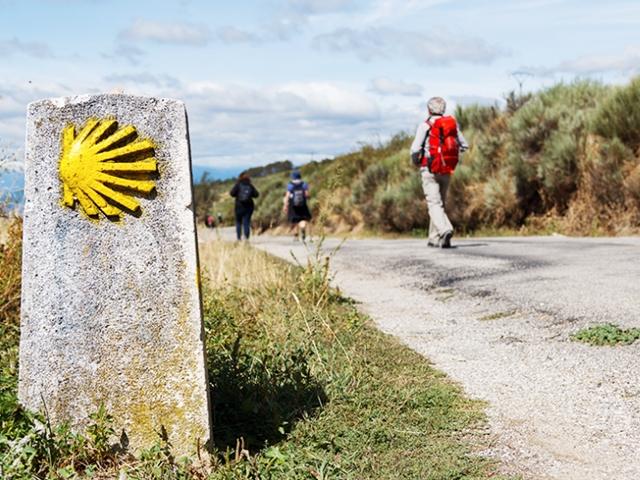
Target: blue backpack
(298, 198)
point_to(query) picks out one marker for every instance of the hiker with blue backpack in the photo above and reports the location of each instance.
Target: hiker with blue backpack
(296, 205)
(436, 149)
(244, 192)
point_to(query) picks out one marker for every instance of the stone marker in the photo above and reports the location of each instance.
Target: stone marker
(111, 308)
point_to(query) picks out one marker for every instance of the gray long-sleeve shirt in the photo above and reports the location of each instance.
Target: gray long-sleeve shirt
(421, 135)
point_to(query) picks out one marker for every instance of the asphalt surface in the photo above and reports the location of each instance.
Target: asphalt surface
(496, 315)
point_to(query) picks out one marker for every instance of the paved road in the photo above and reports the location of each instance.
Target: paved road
(496, 315)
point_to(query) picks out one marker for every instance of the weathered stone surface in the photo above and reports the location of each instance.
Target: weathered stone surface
(111, 307)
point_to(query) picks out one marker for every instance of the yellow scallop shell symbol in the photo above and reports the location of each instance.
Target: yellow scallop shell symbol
(104, 166)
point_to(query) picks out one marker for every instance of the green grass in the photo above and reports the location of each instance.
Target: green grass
(607, 334)
(303, 388)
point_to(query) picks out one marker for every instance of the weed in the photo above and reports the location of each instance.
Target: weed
(607, 334)
(498, 315)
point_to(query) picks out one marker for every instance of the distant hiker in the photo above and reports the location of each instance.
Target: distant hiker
(219, 217)
(244, 193)
(209, 222)
(436, 150)
(296, 205)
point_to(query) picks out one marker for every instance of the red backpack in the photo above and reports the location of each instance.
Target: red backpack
(441, 145)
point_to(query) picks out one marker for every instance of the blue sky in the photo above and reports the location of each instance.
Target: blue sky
(300, 79)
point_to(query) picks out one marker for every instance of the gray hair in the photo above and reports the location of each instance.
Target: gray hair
(437, 105)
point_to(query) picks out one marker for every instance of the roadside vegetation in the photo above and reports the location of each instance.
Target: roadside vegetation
(303, 388)
(607, 334)
(565, 159)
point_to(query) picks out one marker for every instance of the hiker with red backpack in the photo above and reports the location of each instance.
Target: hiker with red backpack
(296, 206)
(436, 150)
(244, 192)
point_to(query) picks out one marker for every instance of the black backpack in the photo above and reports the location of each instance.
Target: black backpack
(245, 192)
(298, 198)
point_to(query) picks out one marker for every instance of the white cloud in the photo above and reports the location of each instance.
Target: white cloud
(15, 46)
(331, 101)
(283, 28)
(385, 86)
(127, 52)
(243, 125)
(387, 9)
(466, 100)
(249, 125)
(626, 62)
(13, 106)
(172, 33)
(230, 34)
(311, 7)
(597, 15)
(142, 78)
(313, 100)
(295, 16)
(426, 49)
(524, 5)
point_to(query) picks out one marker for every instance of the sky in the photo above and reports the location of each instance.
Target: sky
(268, 80)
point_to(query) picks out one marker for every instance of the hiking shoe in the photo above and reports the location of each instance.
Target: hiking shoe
(432, 244)
(445, 240)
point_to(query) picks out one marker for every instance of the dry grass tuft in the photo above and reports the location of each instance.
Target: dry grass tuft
(11, 271)
(237, 265)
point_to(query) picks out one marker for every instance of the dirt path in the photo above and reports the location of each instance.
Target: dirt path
(496, 315)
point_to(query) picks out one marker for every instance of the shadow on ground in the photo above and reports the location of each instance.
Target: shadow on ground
(259, 399)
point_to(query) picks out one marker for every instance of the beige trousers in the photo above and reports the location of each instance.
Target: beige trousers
(435, 190)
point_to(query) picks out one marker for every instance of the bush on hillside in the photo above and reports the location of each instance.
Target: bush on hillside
(546, 137)
(400, 208)
(369, 182)
(632, 187)
(619, 115)
(268, 211)
(516, 101)
(476, 117)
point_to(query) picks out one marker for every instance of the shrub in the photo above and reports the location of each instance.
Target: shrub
(401, 208)
(501, 200)
(619, 115)
(546, 138)
(476, 117)
(603, 170)
(632, 186)
(268, 211)
(516, 101)
(367, 185)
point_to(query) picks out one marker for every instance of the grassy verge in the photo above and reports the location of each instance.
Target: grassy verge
(303, 388)
(341, 399)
